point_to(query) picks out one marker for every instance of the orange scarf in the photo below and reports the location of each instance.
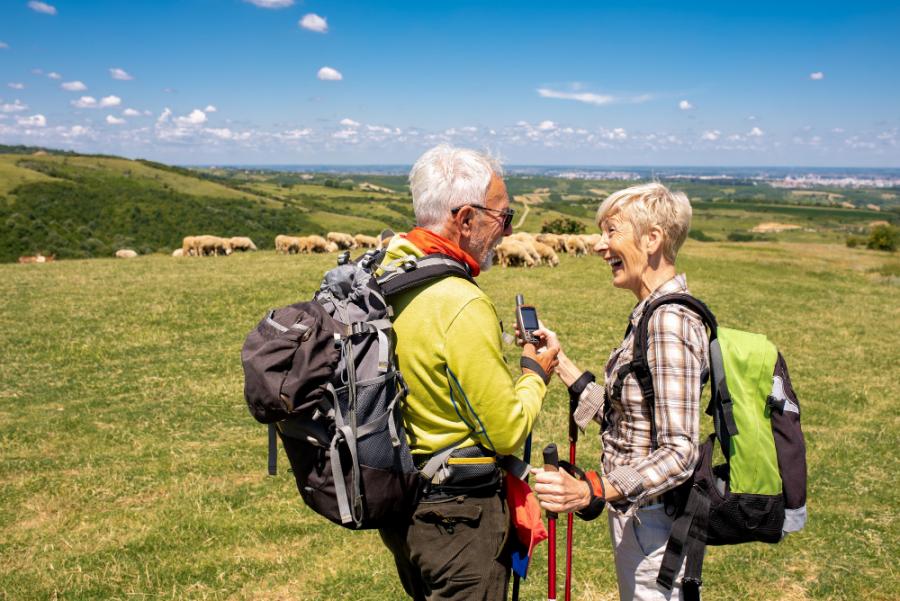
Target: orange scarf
(429, 242)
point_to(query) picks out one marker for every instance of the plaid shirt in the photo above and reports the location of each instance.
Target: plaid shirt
(678, 355)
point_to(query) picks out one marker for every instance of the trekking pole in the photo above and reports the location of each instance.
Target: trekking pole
(551, 464)
(570, 523)
(526, 456)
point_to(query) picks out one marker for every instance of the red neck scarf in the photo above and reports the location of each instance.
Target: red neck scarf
(429, 242)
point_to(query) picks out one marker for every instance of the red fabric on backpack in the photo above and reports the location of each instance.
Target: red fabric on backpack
(429, 242)
(525, 512)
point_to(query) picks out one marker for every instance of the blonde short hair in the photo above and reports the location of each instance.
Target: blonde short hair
(652, 204)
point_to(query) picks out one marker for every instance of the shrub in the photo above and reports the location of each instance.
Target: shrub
(854, 241)
(563, 225)
(741, 237)
(700, 236)
(883, 237)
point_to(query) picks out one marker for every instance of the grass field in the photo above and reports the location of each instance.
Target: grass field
(131, 469)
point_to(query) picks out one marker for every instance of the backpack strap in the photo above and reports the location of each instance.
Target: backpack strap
(640, 367)
(414, 273)
(687, 539)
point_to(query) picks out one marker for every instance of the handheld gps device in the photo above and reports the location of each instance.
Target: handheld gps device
(527, 320)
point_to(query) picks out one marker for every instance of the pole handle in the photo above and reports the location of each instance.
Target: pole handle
(551, 464)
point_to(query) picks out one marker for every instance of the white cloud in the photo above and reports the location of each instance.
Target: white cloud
(817, 75)
(838, 130)
(196, 117)
(3, 45)
(114, 120)
(712, 135)
(131, 113)
(755, 133)
(73, 86)
(586, 97)
(344, 134)
(32, 121)
(347, 122)
(37, 71)
(546, 126)
(120, 74)
(618, 133)
(164, 116)
(54, 75)
(271, 3)
(15, 107)
(294, 134)
(314, 22)
(78, 130)
(329, 74)
(685, 105)
(85, 102)
(210, 109)
(15, 85)
(379, 129)
(108, 101)
(42, 7)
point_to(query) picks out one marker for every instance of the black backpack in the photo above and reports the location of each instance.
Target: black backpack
(718, 505)
(323, 375)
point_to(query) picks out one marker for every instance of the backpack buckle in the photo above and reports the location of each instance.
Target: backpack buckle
(408, 265)
(344, 258)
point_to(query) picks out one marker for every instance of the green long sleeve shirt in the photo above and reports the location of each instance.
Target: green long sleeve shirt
(449, 352)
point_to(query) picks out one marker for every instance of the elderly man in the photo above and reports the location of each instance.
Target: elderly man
(461, 394)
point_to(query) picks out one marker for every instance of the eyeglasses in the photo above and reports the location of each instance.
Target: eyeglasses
(508, 214)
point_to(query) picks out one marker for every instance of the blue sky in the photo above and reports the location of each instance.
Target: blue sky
(600, 83)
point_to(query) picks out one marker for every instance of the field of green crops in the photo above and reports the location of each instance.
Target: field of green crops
(131, 469)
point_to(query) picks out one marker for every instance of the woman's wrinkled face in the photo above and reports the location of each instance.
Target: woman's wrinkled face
(620, 251)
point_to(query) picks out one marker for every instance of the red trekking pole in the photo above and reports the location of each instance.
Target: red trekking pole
(570, 523)
(551, 464)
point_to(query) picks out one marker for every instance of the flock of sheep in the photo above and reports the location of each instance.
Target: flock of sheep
(529, 250)
(332, 242)
(518, 250)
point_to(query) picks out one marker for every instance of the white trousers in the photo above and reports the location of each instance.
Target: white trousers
(639, 543)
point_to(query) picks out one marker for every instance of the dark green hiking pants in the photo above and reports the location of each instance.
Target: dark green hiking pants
(453, 549)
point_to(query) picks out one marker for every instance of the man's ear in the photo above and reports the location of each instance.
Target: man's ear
(465, 220)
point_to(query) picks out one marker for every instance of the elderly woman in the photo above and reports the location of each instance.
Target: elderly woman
(642, 229)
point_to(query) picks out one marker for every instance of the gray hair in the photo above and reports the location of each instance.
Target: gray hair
(445, 178)
(652, 204)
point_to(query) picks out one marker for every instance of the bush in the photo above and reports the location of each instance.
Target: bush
(883, 237)
(563, 225)
(741, 237)
(700, 236)
(854, 241)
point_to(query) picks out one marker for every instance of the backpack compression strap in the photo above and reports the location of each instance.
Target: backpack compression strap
(417, 272)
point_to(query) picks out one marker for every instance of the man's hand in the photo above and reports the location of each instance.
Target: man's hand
(546, 351)
(558, 491)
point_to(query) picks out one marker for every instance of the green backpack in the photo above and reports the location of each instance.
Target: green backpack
(759, 492)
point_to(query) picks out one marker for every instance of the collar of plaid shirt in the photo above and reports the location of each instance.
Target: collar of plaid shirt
(672, 286)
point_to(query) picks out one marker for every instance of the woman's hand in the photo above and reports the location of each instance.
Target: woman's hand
(558, 491)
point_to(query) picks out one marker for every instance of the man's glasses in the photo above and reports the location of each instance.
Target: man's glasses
(508, 214)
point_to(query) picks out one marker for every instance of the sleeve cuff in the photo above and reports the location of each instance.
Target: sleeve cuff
(590, 403)
(628, 480)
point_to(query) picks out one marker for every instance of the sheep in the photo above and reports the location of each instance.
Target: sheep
(241, 243)
(287, 244)
(344, 241)
(178, 252)
(126, 253)
(188, 246)
(590, 242)
(363, 241)
(548, 255)
(314, 244)
(38, 258)
(554, 241)
(212, 245)
(514, 252)
(575, 246)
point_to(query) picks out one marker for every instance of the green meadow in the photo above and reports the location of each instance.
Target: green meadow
(131, 469)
